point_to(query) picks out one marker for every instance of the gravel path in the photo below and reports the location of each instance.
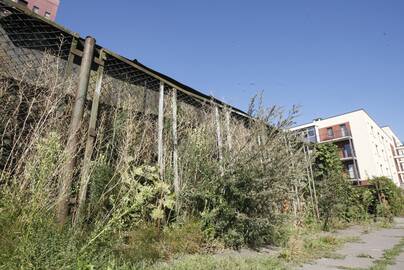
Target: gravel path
(363, 253)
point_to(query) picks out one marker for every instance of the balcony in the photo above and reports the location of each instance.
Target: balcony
(345, 153)
(335, 135)
(346, 158)
(400, 147)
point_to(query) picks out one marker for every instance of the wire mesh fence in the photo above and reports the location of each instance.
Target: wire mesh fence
(26, 38)
(122, 96)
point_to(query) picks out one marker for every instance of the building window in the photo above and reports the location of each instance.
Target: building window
(351, 171)
(330, 133)
(35, 9)
(344, 130)
(347, 152)
(310, 135)
(47, 14)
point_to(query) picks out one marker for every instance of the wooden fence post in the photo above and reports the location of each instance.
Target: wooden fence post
(160, 126)
(85, 172)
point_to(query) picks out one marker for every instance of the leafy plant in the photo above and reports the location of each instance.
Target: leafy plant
(332, 187)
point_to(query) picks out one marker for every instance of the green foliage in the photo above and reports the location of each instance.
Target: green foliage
(30, 238)
(209, 262)
(388, 199)
(101, 178)
(358, 204)
(327, 161)
(239, 200)
(333, 189)
(251, 192)
(146, 243)
(183, 238)
(305, 244)
(339, 200)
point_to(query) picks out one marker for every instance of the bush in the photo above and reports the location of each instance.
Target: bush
(339, 200)
(333, 188)
(358, 204)
(388, 199)
(241, 199)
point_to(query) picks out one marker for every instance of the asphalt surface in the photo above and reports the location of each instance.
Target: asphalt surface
(363, 253)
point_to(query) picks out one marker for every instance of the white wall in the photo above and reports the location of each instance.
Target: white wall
(371, 143)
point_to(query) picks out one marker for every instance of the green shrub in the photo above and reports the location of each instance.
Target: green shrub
(333, 188)
(358, 204)
(388, 199)
(183, 238)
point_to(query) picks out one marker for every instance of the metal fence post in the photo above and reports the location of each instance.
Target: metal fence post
(72, 141)
(160, 131)
(219, 138)
(259, 148)
(228, 133)
(70, 59)
(175, 150)
(85, 172)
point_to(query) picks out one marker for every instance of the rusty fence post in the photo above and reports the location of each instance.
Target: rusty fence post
(72, 141)
(85, 172)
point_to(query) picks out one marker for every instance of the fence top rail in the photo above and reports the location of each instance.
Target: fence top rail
(16, 8)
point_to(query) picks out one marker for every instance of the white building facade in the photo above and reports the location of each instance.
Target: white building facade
(366, 149)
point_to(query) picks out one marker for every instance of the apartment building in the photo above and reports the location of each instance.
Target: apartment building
(45, 8)
(366, 149)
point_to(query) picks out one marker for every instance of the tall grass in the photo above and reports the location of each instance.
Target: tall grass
(247, 197)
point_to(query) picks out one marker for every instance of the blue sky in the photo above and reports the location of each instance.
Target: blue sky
(328, 56)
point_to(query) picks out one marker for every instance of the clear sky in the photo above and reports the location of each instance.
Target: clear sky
(328, 56)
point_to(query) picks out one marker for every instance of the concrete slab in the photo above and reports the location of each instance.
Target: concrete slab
(363, 253)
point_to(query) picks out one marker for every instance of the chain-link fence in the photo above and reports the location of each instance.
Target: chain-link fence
(120, 92)
(26, 37)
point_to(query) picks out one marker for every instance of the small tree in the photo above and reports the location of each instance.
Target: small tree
(330, 181)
